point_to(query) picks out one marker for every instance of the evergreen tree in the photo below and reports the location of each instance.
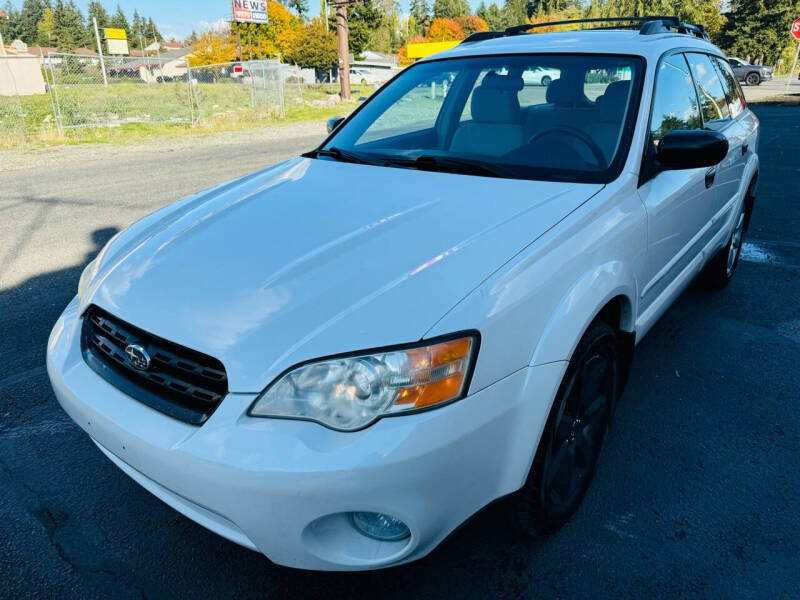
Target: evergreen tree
(69, 28)
(138, 33)
(96, 11)
(492, 15)
(758, 30)
(299, 6)
(11, 26)
(29, 16)
(120, 21)
(420, 10)
(515, 12)
(152, 30)
(450, 9)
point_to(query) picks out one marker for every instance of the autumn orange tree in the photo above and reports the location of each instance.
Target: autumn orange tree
(471, 24)
(443, 30)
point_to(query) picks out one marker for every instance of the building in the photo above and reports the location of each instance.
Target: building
(166, 66)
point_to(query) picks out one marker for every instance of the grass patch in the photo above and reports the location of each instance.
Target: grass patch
(140, 111)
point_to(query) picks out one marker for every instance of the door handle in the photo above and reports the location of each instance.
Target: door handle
(745, 148)
(711, 174)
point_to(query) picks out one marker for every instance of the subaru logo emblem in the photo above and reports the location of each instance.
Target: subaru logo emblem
(138, 357)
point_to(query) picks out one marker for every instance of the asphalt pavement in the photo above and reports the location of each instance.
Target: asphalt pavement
(697, 493)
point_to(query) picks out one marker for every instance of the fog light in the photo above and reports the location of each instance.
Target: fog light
(380, 526)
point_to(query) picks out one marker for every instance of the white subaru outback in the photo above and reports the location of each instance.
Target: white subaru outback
(338, 377)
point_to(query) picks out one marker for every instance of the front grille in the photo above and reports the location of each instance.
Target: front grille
(179, 382)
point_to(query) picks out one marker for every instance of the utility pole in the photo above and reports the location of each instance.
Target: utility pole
(100, 52)
(344, 52)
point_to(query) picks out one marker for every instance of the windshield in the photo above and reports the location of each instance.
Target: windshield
(555, 117)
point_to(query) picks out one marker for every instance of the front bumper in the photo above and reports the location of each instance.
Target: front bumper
(284, 487)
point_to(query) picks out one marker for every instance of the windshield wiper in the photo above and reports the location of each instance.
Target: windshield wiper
(340, 155)
(447, 164)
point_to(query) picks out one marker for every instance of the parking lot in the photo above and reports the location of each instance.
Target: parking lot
(697, 493)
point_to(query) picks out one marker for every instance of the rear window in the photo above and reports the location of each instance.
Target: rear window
(732, 89)
(713, 99)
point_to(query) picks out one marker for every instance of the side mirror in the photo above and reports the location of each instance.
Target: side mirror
(691, 149)
(334, 122)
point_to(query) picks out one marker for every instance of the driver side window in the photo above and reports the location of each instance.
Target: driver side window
(675, 105)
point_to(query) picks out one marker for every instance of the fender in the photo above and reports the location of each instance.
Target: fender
(581, 304)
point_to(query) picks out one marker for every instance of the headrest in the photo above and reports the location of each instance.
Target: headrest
(495, 100)
(561, 93)
(503, 82)
(616, 95)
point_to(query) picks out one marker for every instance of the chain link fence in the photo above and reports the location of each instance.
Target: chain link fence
(237, 91)
(12, 117)
(132, 90)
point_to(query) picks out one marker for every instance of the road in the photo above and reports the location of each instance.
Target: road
(697, 492)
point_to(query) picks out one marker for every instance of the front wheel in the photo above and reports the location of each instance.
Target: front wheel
(753, 79)
(546, 80)
(576, 428)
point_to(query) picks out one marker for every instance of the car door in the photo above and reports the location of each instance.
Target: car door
(677, 202)
(715, 103)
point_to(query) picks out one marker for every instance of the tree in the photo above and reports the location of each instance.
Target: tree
(471, 24)
(137, 30)
(11, 26)
(420, 10)
(277, 37)
(96, 11)
(363, 18)
(29, 17)
(492, 15)
(46, 28)
(120, 21)
(443, 30)
(313, 47)
(299, 6)
(758, 30)
(213, 47)
(152, 30)
(450, 9)
(69, 29)
(515, 12)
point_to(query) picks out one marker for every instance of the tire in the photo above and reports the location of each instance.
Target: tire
(722, 267)
(546, 80)
(567, 455)
(753, 79)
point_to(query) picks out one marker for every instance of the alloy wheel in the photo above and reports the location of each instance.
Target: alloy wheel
(735, 247)
(578, 433)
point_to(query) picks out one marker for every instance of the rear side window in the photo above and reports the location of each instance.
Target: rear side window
(675, 104)
(713, 100)
(732, 89)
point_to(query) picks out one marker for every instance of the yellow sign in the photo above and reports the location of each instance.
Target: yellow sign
(424, 49)
(115, 34)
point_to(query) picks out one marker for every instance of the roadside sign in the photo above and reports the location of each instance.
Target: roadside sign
(250, 11)
(796, 29)
(115, 34)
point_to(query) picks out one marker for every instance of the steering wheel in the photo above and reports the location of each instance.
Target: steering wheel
(581, 136)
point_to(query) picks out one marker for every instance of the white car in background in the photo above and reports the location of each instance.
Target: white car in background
(366, 76)
(540, 75)
(339, 380)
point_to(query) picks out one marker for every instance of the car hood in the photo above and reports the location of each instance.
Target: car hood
(314, 257)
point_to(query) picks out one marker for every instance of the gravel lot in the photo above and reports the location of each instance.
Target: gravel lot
(697, 489)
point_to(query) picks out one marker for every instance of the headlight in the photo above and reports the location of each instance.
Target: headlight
(86, 277)
(350, 392)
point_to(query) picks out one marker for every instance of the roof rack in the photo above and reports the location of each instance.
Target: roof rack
(650, 26)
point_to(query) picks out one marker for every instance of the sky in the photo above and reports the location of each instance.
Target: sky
(179, 17)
